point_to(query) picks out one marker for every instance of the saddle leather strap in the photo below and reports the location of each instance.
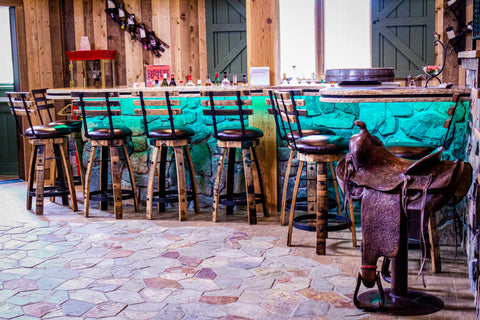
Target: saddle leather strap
(369, 266)
(422, 219)
(406, 179)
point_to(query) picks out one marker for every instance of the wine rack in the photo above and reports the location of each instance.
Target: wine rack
(138, 31)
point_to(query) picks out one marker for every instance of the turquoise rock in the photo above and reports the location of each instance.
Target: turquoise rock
(426, 127)
(140, 144)
(351, 108)
(337, 119)
(389, 126)
(373, 114)
(400, 109)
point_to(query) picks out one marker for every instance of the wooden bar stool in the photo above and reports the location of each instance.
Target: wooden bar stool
(298, 131)
(229, 139)
(317, 151)
(109, 138)
(75, 126)
(161, 138)
(40, 137)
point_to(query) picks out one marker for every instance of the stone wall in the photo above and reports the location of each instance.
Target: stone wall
(391, 122)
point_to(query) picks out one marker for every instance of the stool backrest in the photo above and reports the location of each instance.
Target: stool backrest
(20, 106)
(215, 111)
(287, 116)
(40, 99)
(144, 112)
(103, 107)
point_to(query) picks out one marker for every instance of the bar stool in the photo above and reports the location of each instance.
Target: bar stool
(229, 139)
(161, 138)
(297, 132)
(40, 137)
(109, 139)
(75, 126)
(317, 151)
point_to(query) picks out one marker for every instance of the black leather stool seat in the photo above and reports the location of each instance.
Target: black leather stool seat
(46, 131)
(410, 150)
(321, 144)
(104, 133)
(235, 134)
(74, 125)
(165, 133)
(311, 132)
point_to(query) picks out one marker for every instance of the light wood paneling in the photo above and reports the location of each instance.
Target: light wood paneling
(133, 48)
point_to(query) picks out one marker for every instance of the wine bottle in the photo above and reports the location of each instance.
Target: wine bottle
(172, 81)
(189, 82)
(112, 9)
(121, 15)
(217, 80)
(164, 82)
(132, 25)
(225, 81)
(143, 35)
(454, 5)
(208, 83)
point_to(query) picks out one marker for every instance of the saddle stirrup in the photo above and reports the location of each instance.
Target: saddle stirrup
(369, 307)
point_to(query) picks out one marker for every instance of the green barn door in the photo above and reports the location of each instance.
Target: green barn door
(402, 35)
(226, 37)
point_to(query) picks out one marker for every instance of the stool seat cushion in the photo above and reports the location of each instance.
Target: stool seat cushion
(104, 133)
(322, 144)
(74, 125)
(410, 150)
(311, 132)
(165, 133)
(46, 131)
(235, 134)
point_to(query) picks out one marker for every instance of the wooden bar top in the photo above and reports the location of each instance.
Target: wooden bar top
(337, 94)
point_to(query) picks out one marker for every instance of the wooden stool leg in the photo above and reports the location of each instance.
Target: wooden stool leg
(132, 178)
(285, 187)
(79, 147)
(53, 175)
(218, 181)
(312, 199)
(86, 186)
(61, 171)
(294, 200)
(69, 176)
(229, 177)
(161, 177)
(31, 176)
(182, 184)
(116, 182)
(352, 220)
(322, 207)
(250, 186)
(151, 181)
(40, 181)
(335, 187)
(193, 179)
(104, 174)
(260, 182)
(434, 246)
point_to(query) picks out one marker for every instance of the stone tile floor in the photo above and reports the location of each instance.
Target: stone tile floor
(63, 266)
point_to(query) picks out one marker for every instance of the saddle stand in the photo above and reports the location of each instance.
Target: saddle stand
(390, 187)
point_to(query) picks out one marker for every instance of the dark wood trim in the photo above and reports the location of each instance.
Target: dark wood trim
(319, 37)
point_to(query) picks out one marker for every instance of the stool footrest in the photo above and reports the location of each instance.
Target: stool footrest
(307, 222)
(301, 204)
(107, 195)
(50, 191)
(239, 199)
(171, 196)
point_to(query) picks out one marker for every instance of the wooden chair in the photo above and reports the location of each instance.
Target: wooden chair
(162, 137)
(109, 138)
(39, 137)
(229, 139)
(47, 106)
(298, 131)
(317, 151)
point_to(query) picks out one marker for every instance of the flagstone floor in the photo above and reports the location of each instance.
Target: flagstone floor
(63, 266)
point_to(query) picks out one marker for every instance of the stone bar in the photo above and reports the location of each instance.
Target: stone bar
(389, 117)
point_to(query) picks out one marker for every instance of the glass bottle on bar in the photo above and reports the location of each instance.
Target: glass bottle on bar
(165, 81)
(217, 80)
(234, 80)
(190, 82)
(172, 81)
(208, 83)
(225, 81)
(244, 78)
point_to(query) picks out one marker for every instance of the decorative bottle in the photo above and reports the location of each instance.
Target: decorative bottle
(190, 83)
(234, 80)
(121, 15)
(208, 83)
(132, 25)
(112, 9)
(244, 78)
(143, 35)
(165, 81)
(172, 81)
(217, 80)
(225, 81)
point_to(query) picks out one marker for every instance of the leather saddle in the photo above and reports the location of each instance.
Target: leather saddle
(389, 186)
